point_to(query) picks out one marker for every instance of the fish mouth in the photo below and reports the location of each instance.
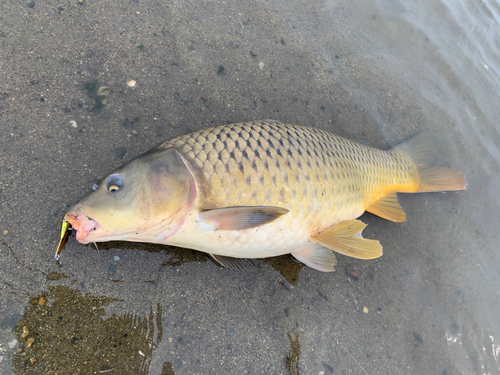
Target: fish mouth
(84, 226)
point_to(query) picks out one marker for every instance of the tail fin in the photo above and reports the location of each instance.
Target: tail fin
(422, 150)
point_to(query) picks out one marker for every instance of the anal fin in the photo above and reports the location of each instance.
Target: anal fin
(388, 208)
(345, 238)
(316, 256)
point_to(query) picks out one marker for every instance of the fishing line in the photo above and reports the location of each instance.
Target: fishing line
(343, 347)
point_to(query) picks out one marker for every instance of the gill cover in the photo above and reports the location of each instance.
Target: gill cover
(136, 201)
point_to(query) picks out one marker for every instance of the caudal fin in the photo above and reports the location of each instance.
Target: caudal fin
(440, 179)
(422, 150)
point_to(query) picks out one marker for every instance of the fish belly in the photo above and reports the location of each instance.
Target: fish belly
(280, 237)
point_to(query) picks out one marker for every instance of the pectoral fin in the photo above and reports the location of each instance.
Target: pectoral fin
(388, 208)
(345, 238)
(237, 218)
(236, 264)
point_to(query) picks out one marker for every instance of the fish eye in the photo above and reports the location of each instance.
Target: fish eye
(114, 183)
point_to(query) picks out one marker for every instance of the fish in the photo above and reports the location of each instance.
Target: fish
(260, 189)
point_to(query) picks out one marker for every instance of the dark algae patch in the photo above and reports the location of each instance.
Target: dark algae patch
(56, 276)
(120, 152)
(418, 339)
(96, 93)
(69, 333)
(90, 86)
(292, 359)
(286, 266)
(167, 369)
(179, 256)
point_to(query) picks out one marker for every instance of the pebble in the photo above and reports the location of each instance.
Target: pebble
(12, 344)
(5, 232)
(41, 301)
(32, 360)
(365, 310)
(352, 272)
(1, 358)
(73, 123)
(116, 258)
(30, 342)
(25, 333)
(131, 83)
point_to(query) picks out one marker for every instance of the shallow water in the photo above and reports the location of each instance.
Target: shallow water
(378, 71)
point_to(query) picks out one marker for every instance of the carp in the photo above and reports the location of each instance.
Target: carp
(260, 189)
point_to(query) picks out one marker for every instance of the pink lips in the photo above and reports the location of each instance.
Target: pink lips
(83, 225)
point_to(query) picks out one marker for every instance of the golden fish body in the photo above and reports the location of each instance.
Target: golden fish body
(262, 189)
